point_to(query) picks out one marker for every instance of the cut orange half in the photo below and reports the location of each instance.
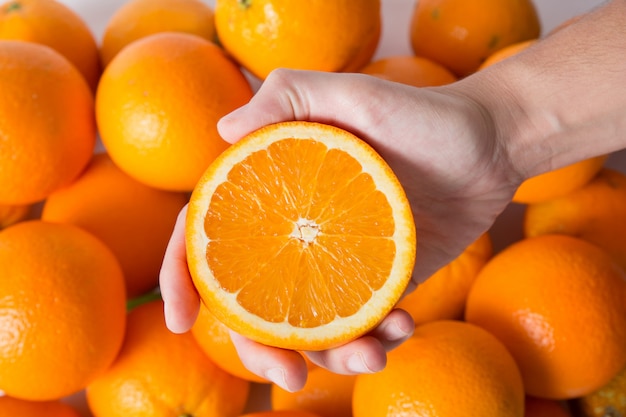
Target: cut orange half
(300, 236)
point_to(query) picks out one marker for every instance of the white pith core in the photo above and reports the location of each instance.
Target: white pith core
(305, 230)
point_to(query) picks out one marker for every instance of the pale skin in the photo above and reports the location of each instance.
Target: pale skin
(460, 151)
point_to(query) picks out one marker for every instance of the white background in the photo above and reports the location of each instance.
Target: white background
(394, 41)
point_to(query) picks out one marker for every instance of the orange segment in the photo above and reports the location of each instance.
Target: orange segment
(300, 236)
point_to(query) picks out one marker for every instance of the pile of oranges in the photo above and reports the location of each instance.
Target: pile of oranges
(535, 329)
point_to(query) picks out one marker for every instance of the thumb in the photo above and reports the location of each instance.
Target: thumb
(288, 95)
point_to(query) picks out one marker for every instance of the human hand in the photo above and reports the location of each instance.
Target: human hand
(442, 146)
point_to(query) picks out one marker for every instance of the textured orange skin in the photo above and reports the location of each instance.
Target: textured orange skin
(158, 104)
(22, 408)
(136, 19)
(281, 413)
(460, 34)
(443, 295)
(338, 35)
(53, 24)
(448, 368)
(47, 121)
(595, 212)
(411, 70)
(133, 219)
(159, 374)
(62, 309)
(325, 393)
(557, 303)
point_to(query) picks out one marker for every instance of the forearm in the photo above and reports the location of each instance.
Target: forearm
(563, 99)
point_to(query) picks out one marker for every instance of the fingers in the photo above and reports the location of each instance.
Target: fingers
(367, 354)
(285, 368)
(181, 301)
(300, 95)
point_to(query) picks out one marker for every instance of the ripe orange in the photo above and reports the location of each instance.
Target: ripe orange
(411, 70)
(158, 104)
(214, 338)
(460, 35)
(325, 393)
(557, 303)
(338, 35)
(541, 407)
(13, 213)
(506, 52)
(159, 373)
(560, 182)
(448, 368)
(300, 236)
(62, 309)
(22, 408)
(46, 120)
(133, 219)
(136, 19)
(443, 295)
(607, 401)
(595, 212)
(53, 24)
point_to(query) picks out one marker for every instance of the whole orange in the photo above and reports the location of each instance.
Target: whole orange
(338, 35)
(557, 303)
(411, 70)
(461, 34)
(53, 24)
(46, 120)
(448, 368)
(133, 219)
(136, 19)
(159, 373)
(23, 408)
(158, 104)
(595, 212)
(443, 295)
(325, 393)
(62, 309)
(213, 337)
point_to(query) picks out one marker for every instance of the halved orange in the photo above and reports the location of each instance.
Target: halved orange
(300, 236)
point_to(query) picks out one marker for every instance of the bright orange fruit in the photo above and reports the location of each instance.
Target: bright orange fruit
(595, 212)
(448, 368)
(62, 309)
(607, 401)
(159, 373)
(443, 295)
(158, 104)
(134, 220)
(53, 24)
(46, 119)
(460, 34)
(557, 303)
(411, 70)
(300, 236)
(23, 408)
(338, 35)
(136, 19)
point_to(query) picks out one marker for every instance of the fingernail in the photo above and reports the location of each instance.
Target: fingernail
(277, 376)
(393, 332)
(356, 363)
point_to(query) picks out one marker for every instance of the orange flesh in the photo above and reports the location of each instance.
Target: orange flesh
(331, 250)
